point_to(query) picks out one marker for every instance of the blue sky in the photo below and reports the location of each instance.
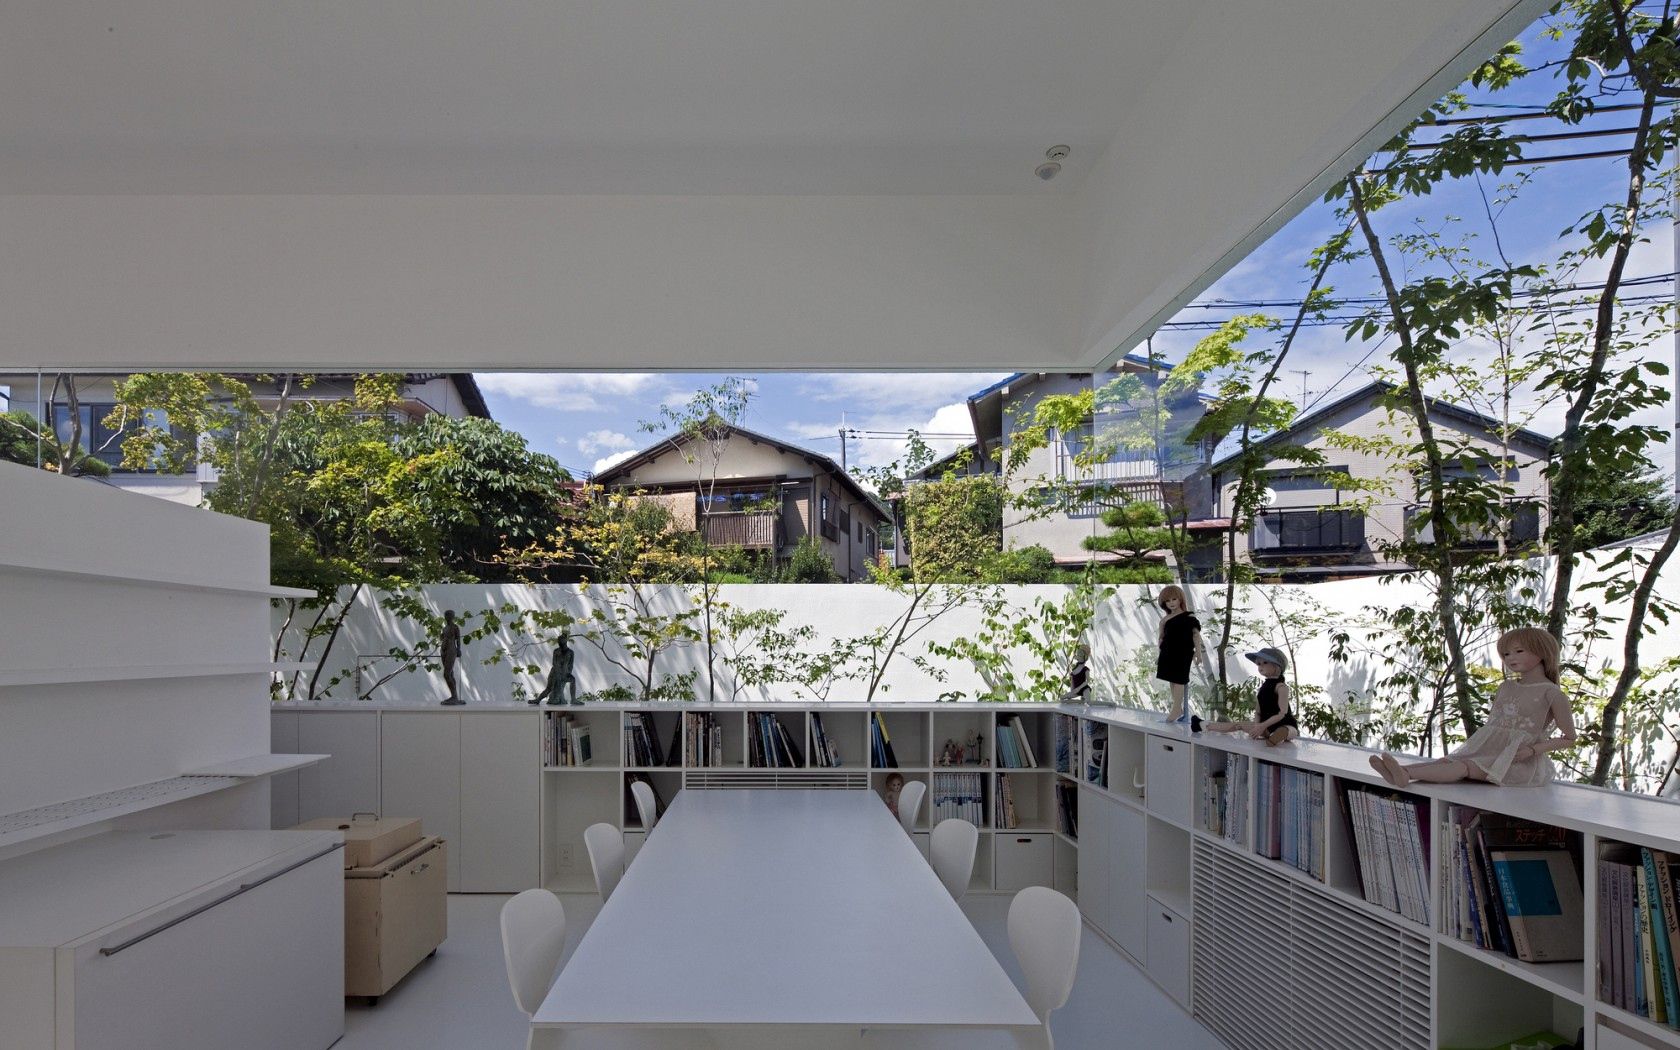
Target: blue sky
(587, 421)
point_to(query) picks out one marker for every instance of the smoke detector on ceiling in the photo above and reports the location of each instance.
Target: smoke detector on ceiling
(1052, 165)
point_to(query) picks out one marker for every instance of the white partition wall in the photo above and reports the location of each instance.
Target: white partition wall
(134, 648)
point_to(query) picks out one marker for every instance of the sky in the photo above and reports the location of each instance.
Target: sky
(589, 421)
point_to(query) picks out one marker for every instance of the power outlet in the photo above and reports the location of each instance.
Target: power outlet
(565, 858)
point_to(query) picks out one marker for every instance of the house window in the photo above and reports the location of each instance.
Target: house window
(845, 520)
(98, 440)
(823, 515)
(870, 546)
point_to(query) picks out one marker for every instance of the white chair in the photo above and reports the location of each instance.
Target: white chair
(951, 852)
(910, 803)
(642, 791)
(1044, 933)
(606, 856)
(533, 937)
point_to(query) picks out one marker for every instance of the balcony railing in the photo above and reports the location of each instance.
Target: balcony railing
(752, 529)
(1090, 501)
(1307, 531)
(1522, 527)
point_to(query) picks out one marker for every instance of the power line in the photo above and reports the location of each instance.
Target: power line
(1525, 293)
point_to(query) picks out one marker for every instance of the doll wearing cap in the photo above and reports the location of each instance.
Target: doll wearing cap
(1274, 722)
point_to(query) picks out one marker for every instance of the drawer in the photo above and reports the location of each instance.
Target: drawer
(1023, 860)
(1168, 785)
(1169, 951)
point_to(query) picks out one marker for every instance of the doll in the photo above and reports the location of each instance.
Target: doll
(1513, 748)
(1274, 722)
(1180, 642)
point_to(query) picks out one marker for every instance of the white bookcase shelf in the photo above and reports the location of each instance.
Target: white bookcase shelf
(1266, 954)
(136, 673)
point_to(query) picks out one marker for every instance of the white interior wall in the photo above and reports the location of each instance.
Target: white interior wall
(72, 739)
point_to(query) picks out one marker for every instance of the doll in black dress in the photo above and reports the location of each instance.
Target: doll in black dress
(1181, 644)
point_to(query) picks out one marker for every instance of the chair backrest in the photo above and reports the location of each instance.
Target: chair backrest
(606, 856)
(1044, 935)
(642, 791)
(533, 936)
(910, 803)
(951, 851)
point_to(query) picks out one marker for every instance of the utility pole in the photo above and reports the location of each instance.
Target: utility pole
(843, 442)
(1303, 373)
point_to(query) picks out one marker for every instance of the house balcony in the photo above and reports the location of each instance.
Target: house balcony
(1521, 527)
(1313, 530)
(754, 530)
(1091, 500)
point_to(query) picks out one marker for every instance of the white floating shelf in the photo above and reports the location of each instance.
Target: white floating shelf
(135, 672)
(1566, 980)
(154, 580)
(42, 821)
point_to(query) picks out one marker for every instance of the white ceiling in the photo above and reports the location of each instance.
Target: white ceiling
(669, 183)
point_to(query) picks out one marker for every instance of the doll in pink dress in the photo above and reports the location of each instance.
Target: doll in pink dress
(1513, 748)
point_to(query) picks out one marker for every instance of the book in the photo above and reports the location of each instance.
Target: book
(1541, 898)
(1665, 929)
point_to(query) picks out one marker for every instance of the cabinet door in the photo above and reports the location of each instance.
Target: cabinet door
(501, 789)
(1094, 849)
(1126, 880)
(420, 775)
(283, 789)
(348, 782)
(1171, 783)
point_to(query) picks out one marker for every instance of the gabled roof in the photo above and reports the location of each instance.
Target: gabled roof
(1537, 443)
(669, 442)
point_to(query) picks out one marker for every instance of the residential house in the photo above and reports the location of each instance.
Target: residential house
(454, 394)
(1311, 529)
(1146, 457)
(766, 495)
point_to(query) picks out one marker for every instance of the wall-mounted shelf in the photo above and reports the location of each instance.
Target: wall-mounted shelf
(45, 568)
(136, 673)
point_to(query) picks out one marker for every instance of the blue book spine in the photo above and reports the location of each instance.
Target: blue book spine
(1665, 956)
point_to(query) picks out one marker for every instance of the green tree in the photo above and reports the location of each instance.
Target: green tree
(24, 440)
(953, 526)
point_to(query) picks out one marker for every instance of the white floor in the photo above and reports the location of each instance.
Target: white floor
(460, 997)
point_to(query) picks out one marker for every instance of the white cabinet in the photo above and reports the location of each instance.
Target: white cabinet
(420, 775)
(501, 794)
(1112, 869)
(1169, 950)
(1021, 860)
(348, 782)
(187, 940)
(1170, 779)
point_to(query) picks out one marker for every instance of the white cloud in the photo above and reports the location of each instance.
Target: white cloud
(567, 391)
(884, 391)
(603, 441)
(876, 448)
(613, 460)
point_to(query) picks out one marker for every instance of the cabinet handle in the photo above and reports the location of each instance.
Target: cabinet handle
(1166, 747)
(201, 909)
(421, 868)
(1167, 917)
(1024, 842)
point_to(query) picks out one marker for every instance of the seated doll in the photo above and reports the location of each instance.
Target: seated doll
(1274, 722)
(1512, 748)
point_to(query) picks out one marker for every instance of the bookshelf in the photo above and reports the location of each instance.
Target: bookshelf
(1165, 845)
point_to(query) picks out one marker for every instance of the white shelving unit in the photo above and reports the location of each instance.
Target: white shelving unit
(1267, 953)
(88, 675)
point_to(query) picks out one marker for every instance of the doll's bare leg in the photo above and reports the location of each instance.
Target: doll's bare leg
(1177, 712)
(1227, 727)
(1390, 770)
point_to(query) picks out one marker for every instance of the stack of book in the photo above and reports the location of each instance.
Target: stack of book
(1639, 932)
(1224, 796)
(770, 745)
(1512, 885)
(960, 795)
(1390, 834)
(566, 742)
(641, 741)
(1067, 744)
(1067, 809)
(704, 739)
(1014, 749)
(1289, 817)
(825, 751)
(880, 744)
(1007, 817)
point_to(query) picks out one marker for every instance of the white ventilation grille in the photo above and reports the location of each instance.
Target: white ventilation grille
(809, 779)
(1278, 964)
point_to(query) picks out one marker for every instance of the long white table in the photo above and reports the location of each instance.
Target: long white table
(782, 908)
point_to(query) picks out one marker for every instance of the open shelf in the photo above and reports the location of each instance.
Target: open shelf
(971, 731)
(1029, 798)
(45, 568)
(1222, 795)
(846, 733)
(1566, 980)
(136, 673)
(907, 732)
(1036, 730)
(1480, 1005)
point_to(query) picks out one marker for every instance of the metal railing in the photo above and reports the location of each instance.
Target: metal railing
(1522, 526)
(752, 529)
